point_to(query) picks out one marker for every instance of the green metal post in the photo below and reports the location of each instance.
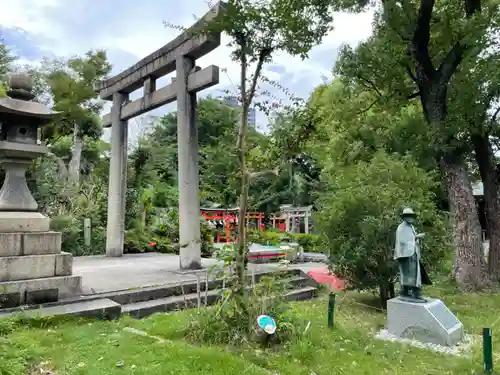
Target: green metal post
(487, 351)
(331, 309)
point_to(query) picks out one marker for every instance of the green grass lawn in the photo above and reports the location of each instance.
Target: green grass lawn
(100, 348)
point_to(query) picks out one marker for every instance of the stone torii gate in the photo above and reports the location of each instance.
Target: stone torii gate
(178, 55)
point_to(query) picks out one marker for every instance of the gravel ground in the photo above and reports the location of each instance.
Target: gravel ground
(463, 349)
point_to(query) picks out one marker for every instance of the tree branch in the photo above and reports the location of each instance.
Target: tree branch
(367, 108)
(456, 54)
(243, 89)
(263, 55)
(274, 171)
(370, 83)
(450, 63)
(414, 95)
(495, 115)
(270, 198)
(419, 46)
(410, 73)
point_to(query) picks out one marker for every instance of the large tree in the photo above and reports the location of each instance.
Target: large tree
(415, 51)
(474, 95)
(71, 87)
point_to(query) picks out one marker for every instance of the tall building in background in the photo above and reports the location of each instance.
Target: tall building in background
(232, 101)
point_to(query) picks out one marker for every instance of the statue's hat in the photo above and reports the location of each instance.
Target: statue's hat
(407, 211)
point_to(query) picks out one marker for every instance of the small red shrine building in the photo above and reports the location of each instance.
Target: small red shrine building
(228, 218)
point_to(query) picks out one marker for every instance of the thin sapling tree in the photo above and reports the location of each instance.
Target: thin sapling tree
(257, 30)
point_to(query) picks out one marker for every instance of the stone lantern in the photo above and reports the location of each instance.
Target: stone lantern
(20, 119)
(32, 267)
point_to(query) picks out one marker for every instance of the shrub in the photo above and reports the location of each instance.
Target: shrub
(314, 243)
(164, 234)
(207, 240)
(264, 238)
(73, 239)
(228, 322)
(142, 241)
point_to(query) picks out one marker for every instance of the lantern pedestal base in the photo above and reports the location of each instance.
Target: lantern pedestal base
(23, 222)
(15, 194)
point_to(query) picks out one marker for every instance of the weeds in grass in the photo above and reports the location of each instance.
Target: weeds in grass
(232, 321)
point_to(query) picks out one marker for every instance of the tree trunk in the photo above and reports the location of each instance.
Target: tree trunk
(62, 171)
(144, 215)
(76, 156)
(386, 292)
(468, 265)
(485, 159)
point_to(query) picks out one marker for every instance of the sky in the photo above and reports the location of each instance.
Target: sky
(129, 30)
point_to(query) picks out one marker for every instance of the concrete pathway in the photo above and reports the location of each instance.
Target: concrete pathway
(101, 274)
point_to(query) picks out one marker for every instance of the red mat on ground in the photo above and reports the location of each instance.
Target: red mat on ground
(324, 277)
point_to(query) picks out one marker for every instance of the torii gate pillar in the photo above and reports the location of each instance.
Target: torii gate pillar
(187, 151)
(117, 188)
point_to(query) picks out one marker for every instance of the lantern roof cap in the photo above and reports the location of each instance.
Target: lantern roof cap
(19, 99)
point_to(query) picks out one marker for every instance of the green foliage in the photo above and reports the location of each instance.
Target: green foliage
(154, 161)
(312, 243)
(207, 240)
(73, 242)
(71, 86)
(163, 232)
(15, 358)
(6, 60)
(359, 214)
(256, 26)
(140, 240)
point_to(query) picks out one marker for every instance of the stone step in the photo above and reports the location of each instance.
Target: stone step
(175, 303)
(142, 302)
(302, 294)
(66, 286)
(302, 281)
(158, 292)
(129, 296)
(102, 308)
(166, 292)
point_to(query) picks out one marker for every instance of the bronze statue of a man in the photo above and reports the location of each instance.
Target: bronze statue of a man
(412, 274)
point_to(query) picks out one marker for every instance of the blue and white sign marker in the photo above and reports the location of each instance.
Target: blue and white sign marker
(266, 323)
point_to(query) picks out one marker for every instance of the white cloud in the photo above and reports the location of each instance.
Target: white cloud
(26, 14)
(135, 29)
(23, 13)
(141, 36)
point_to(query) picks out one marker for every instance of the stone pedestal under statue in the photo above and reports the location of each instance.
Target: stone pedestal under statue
(33, 270)
(430, 321)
